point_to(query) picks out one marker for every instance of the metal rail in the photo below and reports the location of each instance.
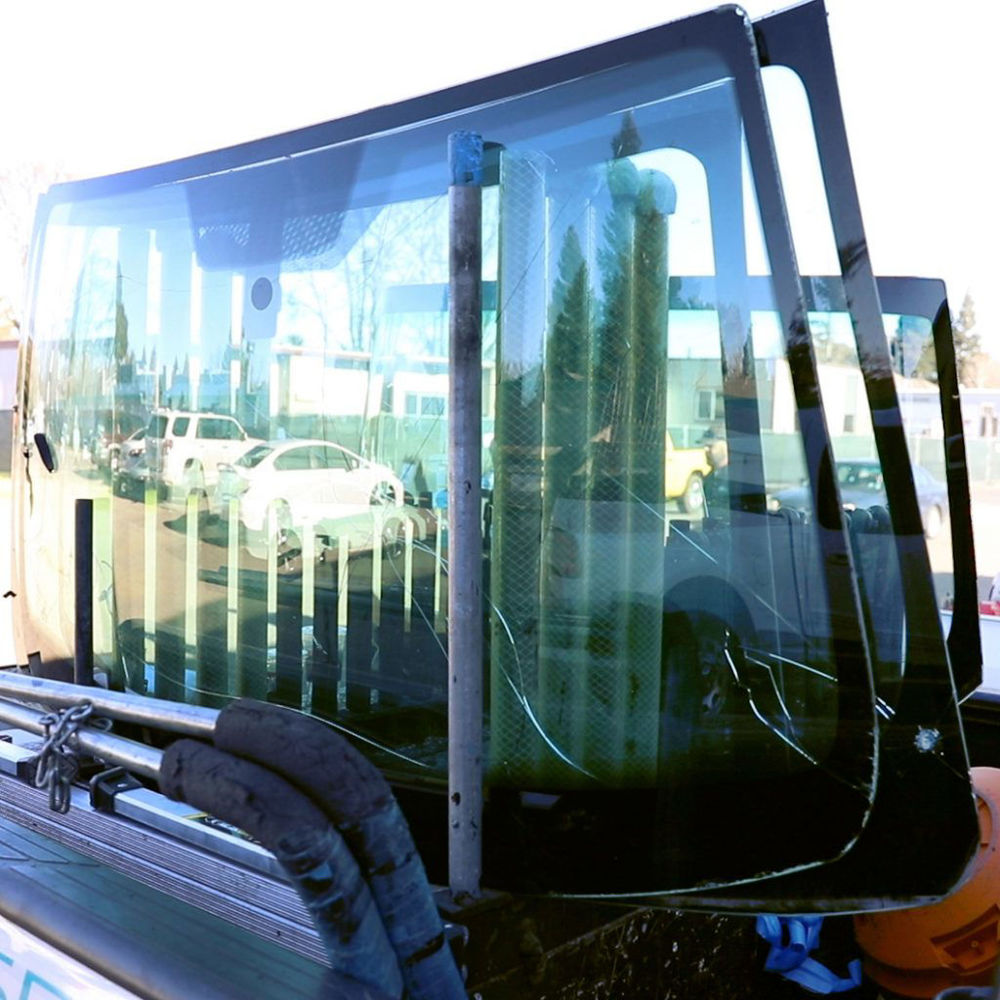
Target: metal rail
(133, 756)
(188, 720)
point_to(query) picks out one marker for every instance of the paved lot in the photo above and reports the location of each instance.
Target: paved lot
(985, 509)
(986, 518)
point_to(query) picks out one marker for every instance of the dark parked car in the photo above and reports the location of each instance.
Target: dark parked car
(861, 486)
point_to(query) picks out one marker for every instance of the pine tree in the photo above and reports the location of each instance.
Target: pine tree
(966, 340)
(626, 142)
(566, 365)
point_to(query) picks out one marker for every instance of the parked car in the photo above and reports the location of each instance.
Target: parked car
(285, 486)
(685, 472)
(861, 486)
(128, 464)
(108, 439)
(184, 449)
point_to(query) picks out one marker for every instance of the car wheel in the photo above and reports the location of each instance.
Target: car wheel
(693, 498)
(194, 478)
(278, 519)
(933, 521)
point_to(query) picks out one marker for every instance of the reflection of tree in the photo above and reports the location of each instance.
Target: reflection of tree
(20, 186)
(407, 243)
(344, 303)
(830, 350)
(121, 322)
(968, 350)
(649, 350)
(926, 366)
(566, 367)
(609, 412)
(967, 345)
(363, 278)
(627, 413)
(585, 427)
(627, 141)
(308, 295)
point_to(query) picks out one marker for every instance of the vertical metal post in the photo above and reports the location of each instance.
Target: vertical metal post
(465, 547)
(83, 630)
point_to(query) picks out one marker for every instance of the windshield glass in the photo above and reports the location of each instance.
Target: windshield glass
(661, 643)
(886, 344)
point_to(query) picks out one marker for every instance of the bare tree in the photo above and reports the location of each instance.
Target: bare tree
(20, 186)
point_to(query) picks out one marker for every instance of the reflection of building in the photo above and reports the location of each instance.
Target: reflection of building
(390, 408)
(388, 402)
(981, 412)
(844, 400)
(920, 403)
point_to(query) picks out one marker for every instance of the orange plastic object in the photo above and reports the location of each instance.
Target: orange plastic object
(954, 942)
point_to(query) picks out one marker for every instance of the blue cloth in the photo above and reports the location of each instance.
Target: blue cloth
(791, 940)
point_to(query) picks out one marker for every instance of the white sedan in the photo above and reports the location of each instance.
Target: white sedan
(284, 487)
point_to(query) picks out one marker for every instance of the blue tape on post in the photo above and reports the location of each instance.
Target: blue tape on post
(465, 158)
(791, 939)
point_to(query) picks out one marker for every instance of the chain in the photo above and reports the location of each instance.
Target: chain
(57, 760)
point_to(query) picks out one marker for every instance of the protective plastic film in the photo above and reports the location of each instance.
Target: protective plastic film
(248, 368)
(664, 650)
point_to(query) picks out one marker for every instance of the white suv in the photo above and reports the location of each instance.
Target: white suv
(184, 449)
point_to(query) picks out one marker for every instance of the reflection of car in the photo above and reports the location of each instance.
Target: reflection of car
(134, 444)
(105, 444)
(685, 472)
(128, 464)
(861, 486)
(282, 485)
(102, 448)
(185, 449)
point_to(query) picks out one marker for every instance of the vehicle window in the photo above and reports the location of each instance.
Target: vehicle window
(334, 458)
(914, 678)
(294, 460)
(252, 458)
(181, 425)
(157, 426)
(213, 428)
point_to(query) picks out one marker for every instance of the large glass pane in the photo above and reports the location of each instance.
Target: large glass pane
(921, 743)
(918, 324)
(664, 651)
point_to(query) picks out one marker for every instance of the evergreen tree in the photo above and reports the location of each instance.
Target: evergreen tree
(626, 142)
(609, 402)
(966, 340)
(566, 365)
(121, 322)
(968, 349)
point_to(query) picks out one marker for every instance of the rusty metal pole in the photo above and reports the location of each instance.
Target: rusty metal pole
(465, 545)
(83, 629)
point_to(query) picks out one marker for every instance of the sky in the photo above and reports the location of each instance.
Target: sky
(107, 85)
